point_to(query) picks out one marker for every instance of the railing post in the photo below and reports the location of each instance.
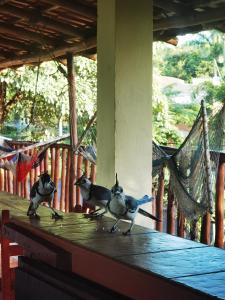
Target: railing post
(159, 202)
(194, 230)
(78, 206)
(5, 262)
(170, 212)
(219, 239)
(67, 196)
(205, 229)
(52, 162)
(87, 168)
(56, 176)
(72, 194)
(180, 224)
(63, 180)
(46, 160)
(154, 204)
(93, 173)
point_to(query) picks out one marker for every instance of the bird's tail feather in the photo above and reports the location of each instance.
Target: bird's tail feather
(145, 199)
(146, 214)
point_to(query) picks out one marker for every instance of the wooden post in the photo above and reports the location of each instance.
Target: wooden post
(180, 224)
(219, 239)
(93, 173)
(79, 173)
(63, 180)
(5, 261)
(68, 163)
(194, 230)
(159, 202)
(170, 212)
(56, 177)
(7, 250)
(52, 162)
(207, 156)
(205, 229)
(46, 160)
(73, 121)
(87, 168)
(31, 172)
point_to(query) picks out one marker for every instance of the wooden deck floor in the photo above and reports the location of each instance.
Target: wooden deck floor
(144, 265)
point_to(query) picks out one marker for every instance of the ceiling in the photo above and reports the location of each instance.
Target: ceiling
(36, 30)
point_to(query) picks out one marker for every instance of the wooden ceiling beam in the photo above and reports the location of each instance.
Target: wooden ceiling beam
(169, 6)
(12, 43)
(17, 32)
(50, 55)
(76, 8)
(3, 2)
(190, 20)
(35, 18)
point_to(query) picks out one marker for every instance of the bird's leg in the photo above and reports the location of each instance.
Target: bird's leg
(114, 227)
(34, 215)
(129, 230)
(55, 215)
(92, 214)
(95, 211)
(100, 214)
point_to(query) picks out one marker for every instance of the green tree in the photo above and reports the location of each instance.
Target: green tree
(41, 101)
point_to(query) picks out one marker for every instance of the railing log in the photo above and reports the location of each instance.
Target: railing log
(159, 202)
(170, 212)
(219, 239)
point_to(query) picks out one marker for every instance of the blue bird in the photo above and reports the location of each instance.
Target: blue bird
(42, 191)
(124, 207)
(94, 195)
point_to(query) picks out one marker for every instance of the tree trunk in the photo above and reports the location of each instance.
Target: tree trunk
(2, 102)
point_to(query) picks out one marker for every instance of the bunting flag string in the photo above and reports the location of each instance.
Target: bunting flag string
(20, 163)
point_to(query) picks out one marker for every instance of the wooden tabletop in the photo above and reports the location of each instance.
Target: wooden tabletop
(144, 263)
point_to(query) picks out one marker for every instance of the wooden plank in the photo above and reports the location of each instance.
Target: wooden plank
(38, 56)
(212, 284)
(37, 247)
(145, 243)
(136, 283)
(37, 19)
(179, 263)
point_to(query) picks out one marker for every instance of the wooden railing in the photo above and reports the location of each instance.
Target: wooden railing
(58, 161)
(175, 223)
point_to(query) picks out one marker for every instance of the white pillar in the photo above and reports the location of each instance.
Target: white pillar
(124, 120)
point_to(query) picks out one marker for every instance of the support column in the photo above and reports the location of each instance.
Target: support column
(124, 121)
(73, 127)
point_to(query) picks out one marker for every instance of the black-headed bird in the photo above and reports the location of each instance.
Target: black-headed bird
(94, 195)
(42, 191)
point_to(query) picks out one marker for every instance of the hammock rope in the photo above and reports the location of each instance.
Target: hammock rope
(193, 167)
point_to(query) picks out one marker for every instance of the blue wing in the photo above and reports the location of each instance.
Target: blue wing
(131, 203)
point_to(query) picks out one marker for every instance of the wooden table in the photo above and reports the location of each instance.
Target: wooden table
(144, 265)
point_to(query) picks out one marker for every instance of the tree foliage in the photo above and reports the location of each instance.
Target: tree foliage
(42, 104)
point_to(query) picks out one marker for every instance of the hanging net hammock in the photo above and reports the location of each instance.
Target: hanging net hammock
(193, 167)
